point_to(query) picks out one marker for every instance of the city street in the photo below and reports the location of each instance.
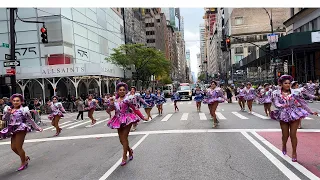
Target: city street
(180, 145)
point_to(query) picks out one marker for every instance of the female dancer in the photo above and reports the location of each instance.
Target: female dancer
(198, 97)
(19, 117)
(136, 99)
(123, 118)
(289, 114)
(250, 95)
(149, 99)
(160, 99)
(214, 96)
(240, 96)
(296, 90)
(175, 98)
(266, 98)
(91, 106)
(56, 113)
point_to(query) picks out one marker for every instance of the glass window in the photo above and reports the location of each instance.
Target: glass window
(238, 20)
(251, 49)
(238, 58)
(314, 25)
(239, 50)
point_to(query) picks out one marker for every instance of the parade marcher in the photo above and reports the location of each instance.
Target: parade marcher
(160, 99)
(175, 98)
(266, 98)
(91, 107)
(250, 95)
(150, 100)
(56, 113)
(198, 97)
(80, 107)
(125, 114)
(240, 96)
(214, 96)
(18, 118)
(288, 113)
(136, 99)
(300, 90)
(311, 87)
(229, 94)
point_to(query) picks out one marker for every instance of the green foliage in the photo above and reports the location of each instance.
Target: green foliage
(147, 61)
(202, 77)
(166, 79)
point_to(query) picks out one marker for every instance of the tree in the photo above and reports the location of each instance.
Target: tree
(202, 77)
(147, 61)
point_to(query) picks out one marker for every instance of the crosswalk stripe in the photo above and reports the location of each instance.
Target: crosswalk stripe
(165, 104)
(184, 117)
(202, 116)
(78, 124)
(67, 125)
(167, 117)
(220, 116)
(239, 115)
(99, 122)
(189, 102)
(171, 104)
(308, 118)
(154, 115)
(181, 103)
(54, 127)
(260, 116)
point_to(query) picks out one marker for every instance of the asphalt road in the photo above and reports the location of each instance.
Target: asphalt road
(180, 145)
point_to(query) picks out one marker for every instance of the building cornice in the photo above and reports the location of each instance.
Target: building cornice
(301, 14)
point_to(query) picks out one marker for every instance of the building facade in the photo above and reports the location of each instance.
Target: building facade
(73, 62)
(135, 30)
(203, 46)
(302, 20)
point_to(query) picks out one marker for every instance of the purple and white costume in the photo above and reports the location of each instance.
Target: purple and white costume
(91, 105)
(311, 87)
(160, 99)
(214, 95)
(265, 96)
(175, 96)
(287, 109)
(19, 120)
(136, 99)
(199, 95)
(241, 93)
(125, 113)
(250, 94)
(57, 110)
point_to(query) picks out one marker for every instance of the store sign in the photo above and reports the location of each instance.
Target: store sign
(62, 69)
(108, 70)
(315, 36)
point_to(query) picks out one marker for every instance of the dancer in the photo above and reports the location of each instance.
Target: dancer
(56, 113)
(198, 97)
(136, 100)
(160, 99)
(175, 98)
(250, 95)
(214, 96)
(300, 90)
(18, 118)
(123, 118)
(149, 99)
(311, 87)
(91, 106)
(289, 114)
(265, 98)
(240, 96)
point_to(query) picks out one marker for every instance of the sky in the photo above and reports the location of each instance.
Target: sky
(192, 19)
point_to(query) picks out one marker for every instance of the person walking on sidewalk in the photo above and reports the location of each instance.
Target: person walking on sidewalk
(80, 107)
(288, 113)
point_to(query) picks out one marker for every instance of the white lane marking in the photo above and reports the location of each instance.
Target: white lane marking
(298, 166)
(189, 102)
(220, 116)
(171, 104)
(79, 124)
(67, 125)
(167, 117)
(114, 167)
(54, 127)
(154, 115)
(271, 158)
(181, 103)
(165, 104)
(156, 132)
(260, 116)
(222, 109)
(202, 116)
(239, 115)
(184, 117)
(308, 118)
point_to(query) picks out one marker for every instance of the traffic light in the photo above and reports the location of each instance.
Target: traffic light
(228, 43)
(44, 35)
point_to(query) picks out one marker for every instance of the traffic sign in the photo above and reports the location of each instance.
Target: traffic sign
(8, 57)
(11, 63)
(5, 45)
(11, 71)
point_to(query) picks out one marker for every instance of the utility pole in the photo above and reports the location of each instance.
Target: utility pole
(12, 49)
